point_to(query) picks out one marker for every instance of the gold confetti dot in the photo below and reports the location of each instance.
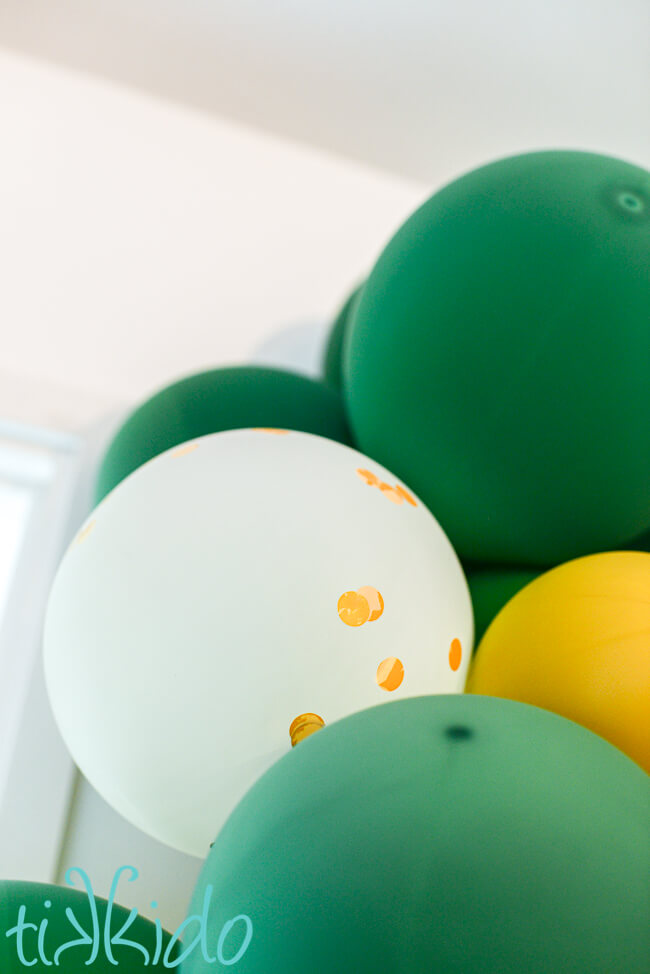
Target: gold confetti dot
(368, 477)
(390, 673)
(374, 600)
(391, 493)
(408, 497)
(83, 534)
(303, 726)
(455, 654)
(353, 609)
(397, 494)
(270, 429)
(185, 449)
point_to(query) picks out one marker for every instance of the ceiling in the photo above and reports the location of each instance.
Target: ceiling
(417, 87)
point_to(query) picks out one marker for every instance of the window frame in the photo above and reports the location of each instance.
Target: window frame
(38, 775)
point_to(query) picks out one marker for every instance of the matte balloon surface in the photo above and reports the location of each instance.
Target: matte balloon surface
(230, 596)
(499, 357)
(332, 365)
(438, 834)
(640, 544)
(44, 916)
(490, 589)
(577, 641)
(221, 399)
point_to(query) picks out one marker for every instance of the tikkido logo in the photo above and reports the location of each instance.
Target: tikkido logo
(99, 936)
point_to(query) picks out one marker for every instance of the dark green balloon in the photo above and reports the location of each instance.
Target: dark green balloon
(60, 931)
(640, 544)
(222, 399)
(332, 366)
(438, 834)
(490, 589)
(499, 357)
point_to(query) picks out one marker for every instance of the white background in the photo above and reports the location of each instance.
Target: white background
(140, 240)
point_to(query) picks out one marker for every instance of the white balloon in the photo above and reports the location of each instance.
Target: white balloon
(202, 608)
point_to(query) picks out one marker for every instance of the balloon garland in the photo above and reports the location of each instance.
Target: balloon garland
(249, 588)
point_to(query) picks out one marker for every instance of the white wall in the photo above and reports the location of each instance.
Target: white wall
(100, 841)
(140, 241)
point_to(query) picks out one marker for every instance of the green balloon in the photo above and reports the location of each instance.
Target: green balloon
(640, 544)
(499, 357)
(490, 589)
(221, 399)
(332, 364)
(437, 834)
(44, 919)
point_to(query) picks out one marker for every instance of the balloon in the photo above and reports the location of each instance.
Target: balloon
(438, 834)
(641, 544)
(499, 356)
(228, 599)
(577, 641)
(221, 399)
(43, 909)
(490, 589)
(334, 347)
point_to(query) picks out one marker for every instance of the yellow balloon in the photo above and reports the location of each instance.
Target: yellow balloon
(576, 640)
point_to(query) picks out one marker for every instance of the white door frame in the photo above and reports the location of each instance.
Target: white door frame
(37, 774)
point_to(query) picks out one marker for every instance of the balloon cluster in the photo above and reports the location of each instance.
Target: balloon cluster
(256, 647)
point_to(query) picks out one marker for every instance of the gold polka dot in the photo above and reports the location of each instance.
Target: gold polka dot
(368, 477)
(390, 673)
(185, 449)
(270, 429)
(391, 493)
(397, 494)
(83, 534)
(455, 654)
(304, 725)
(408, 497)
(374, 600)
(353, 609)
